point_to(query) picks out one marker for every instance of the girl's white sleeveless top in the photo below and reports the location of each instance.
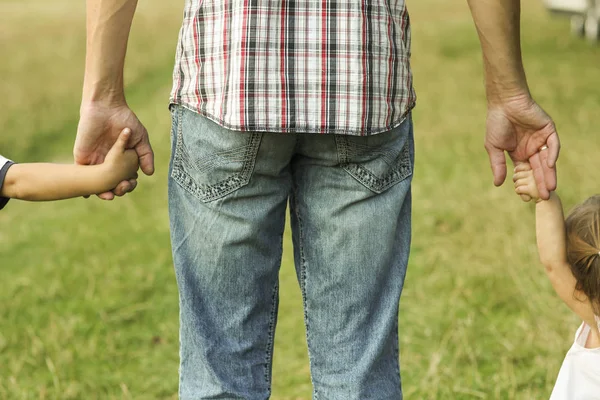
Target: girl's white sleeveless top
(579, 376)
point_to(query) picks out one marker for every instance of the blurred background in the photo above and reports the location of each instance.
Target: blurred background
(88, 299)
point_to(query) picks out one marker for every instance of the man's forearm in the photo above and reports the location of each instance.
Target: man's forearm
(108, 26)
(498, 26)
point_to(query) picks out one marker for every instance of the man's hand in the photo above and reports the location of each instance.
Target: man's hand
(98, 130)
(522, 128)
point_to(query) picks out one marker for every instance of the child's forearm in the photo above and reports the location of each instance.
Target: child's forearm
(550, 231)
(551, 241)
(45, 182)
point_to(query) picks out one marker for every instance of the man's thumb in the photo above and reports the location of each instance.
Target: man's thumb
(498, 164)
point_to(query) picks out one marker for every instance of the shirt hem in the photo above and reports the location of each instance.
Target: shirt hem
(326, 131)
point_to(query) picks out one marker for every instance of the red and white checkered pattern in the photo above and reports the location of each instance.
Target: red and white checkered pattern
(323, 66)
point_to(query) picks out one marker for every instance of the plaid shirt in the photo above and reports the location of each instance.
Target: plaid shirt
(324, 66)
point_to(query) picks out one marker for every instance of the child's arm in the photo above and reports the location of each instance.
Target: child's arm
(551, 243)
(41, 182)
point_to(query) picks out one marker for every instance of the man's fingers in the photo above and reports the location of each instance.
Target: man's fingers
(147, 163)
(538, 174)
(498, 164)
(145, 154)
(106, 196)
(553, 144)
(123, 188)
(549, 172)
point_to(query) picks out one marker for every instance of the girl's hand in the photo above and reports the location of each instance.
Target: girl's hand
(525, 184)
(121, 164)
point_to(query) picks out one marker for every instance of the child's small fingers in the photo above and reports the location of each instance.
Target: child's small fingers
(522, 166)
(522, 189)
(523, 193)
(123, 138)
(517, 185)
(516, 176)
(525, 197)
(521, 175)
(521, 183)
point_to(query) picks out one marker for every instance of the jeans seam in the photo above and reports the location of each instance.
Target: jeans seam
(271, 340)
(303, 283)
(397, 351)
(273, 321)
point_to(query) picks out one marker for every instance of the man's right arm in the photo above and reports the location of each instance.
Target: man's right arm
(515, 123)
(498, 26)
(104, 111)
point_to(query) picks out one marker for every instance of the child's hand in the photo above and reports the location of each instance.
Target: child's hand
(524, 180)
(121, 164)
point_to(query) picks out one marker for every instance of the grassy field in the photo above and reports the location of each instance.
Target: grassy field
(88, 300)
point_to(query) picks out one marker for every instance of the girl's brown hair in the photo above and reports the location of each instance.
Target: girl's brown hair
(583, 248)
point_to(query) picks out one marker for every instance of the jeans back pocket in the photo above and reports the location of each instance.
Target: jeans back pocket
(209, 160)
(378, 161)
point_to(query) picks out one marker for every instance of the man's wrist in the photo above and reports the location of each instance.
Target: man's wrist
(502, 91)
(509, 97)
(91, 105)
(103, 94)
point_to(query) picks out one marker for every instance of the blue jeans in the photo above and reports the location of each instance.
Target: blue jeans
(350, 206)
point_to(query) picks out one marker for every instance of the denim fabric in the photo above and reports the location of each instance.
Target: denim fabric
(350, 207)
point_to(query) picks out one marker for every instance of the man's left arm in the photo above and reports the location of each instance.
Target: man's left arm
(104, 111)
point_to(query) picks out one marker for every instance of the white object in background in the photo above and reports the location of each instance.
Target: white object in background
(585, 16)
(570, 6)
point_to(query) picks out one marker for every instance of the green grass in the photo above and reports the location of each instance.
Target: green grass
(88, 300)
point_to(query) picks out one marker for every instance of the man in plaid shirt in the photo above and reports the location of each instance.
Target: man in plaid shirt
(306, 103)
